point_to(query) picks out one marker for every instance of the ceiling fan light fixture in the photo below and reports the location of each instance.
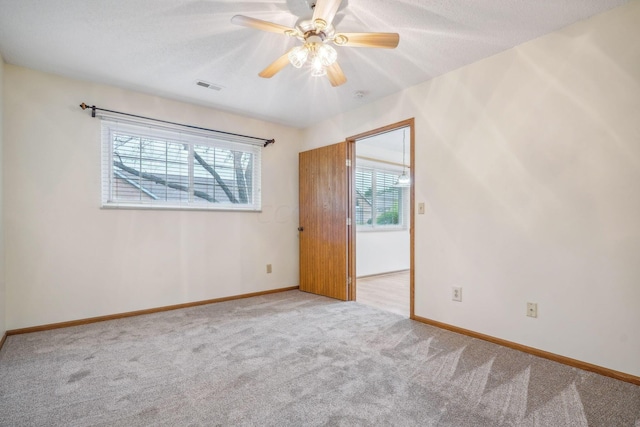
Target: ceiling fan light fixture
(298, 56)
(323, 56)
(326, 54)
(317, 67)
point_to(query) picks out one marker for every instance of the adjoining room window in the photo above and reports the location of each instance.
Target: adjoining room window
(146, 166)
(379, 202)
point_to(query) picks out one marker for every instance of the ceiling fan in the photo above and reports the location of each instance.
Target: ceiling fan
(317, 36)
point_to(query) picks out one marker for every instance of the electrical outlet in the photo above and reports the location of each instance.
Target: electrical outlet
(268, 268)
(532, 309)
(456, 293)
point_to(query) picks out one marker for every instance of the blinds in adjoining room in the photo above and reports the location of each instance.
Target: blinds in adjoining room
(379, 201)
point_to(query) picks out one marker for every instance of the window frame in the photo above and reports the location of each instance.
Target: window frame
(192, 139)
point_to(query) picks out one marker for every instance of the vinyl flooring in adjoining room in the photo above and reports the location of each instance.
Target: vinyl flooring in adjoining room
(385, 291)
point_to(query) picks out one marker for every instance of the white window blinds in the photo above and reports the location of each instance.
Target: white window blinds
(150, 166)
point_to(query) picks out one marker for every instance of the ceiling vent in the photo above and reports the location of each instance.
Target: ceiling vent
(208, 85)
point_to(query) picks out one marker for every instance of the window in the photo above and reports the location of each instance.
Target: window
(157, 167)
(379, 203)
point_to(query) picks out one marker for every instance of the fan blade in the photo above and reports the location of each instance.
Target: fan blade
(259, 24)
(335, 74)
(275, 66)
(325, 11)
(383, 40)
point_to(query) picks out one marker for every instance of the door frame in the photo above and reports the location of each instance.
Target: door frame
(351, 260)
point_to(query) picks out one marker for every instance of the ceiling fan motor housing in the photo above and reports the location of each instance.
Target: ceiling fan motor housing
(308, 29)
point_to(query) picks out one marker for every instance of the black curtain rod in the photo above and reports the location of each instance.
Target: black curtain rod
(94, 109)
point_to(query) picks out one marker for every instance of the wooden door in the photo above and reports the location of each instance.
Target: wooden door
(324, 209)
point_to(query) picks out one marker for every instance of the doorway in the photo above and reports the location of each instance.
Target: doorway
(328, 197)
(382, 211)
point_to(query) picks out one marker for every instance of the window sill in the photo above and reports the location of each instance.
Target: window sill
(133, 206)
(379, 229)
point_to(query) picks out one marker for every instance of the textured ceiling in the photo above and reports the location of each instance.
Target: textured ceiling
(164, 46)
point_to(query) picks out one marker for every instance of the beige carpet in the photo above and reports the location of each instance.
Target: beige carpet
(292, 359)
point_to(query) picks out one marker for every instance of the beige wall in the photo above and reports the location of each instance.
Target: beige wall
(529, 165)
(3, 327)
(68, 259)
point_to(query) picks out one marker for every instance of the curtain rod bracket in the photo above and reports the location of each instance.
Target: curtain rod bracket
(270, 141)
(93, 108)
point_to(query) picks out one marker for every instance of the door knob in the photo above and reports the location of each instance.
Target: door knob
(300, 228)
